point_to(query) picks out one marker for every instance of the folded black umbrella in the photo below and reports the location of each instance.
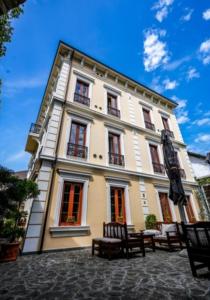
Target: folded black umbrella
(176, 193)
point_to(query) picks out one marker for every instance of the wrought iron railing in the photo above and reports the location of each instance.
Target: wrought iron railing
(170, 133)
(149, 125)
(77, 150)
(35, 128)
(116, 159)
(158, 168)
(113, 111)
(81, 99)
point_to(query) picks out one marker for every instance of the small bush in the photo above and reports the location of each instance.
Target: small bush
(150, 221)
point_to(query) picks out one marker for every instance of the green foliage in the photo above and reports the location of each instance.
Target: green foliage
(150, 221)
(6, 29)
(13, 193)
(203, 181)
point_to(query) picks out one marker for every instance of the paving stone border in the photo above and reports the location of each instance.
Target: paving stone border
(78, 275)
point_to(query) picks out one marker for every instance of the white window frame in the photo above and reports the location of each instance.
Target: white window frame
(122, 148)
(65, 177)
(150, 113)
(111, 92)
(171, 204)
(118, 184)
(160, 155)
(74, 118)
(192, 205)
(85, 80)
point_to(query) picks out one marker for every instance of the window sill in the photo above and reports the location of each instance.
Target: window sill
(69, 231)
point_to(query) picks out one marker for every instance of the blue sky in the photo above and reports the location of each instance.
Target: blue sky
(165, 44)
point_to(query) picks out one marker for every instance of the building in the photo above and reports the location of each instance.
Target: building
(96, 154)
(201, 167)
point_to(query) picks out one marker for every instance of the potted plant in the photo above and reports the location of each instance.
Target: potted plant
(150, 221)
(13, 193)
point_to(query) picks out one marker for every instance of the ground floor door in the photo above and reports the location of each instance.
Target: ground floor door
(189, 211)
(165, 208)
(118, 205)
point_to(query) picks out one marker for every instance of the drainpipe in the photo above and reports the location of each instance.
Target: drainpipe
(55, 160)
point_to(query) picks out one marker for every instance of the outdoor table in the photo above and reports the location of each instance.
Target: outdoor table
(148, 238)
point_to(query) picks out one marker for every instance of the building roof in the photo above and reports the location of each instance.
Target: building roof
(21, 174)
(197, 155)
(62, 44)
(116, 71)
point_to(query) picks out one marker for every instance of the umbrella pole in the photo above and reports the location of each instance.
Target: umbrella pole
(182, 213)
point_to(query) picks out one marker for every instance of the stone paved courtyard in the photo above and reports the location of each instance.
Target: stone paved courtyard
(78, 275)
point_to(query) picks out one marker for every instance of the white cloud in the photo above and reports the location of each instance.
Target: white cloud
(162, 7)
(192, 73)
(13, 86)
(206, 14)
(155, 51)
(156, 85)
(188, 15)
(203, 138)
(16, 156)
(181, 111)
(200, 122)
(205, 52)
(170, 84)
(176, 63)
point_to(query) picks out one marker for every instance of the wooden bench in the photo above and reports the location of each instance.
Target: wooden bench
(197, 239)
(116, 240)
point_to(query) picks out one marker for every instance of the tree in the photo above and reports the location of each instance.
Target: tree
(6, 29)
(13, 193)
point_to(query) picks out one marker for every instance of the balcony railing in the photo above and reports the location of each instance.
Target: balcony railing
(116, 159)
(158, 168)
(113, 111)
(81, 99)
(170, 133)
(35, 128)
(149, 125)
(77, 150)
(182, 173)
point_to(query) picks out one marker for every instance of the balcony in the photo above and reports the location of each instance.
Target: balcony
(33, 138)
(81, 99)
(35, 128)
(170, 133)
(149, 125)
(77, 150)
(182, 173)
(116, 159)
(113, 111)
(158, 168)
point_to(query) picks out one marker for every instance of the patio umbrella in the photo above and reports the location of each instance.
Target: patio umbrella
(176, 192)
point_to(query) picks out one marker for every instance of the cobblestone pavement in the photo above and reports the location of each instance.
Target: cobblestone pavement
(78, 275)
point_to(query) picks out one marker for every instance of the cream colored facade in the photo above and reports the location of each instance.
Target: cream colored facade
(50, 166)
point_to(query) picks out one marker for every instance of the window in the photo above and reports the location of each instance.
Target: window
(117, 205)
(71, 204)
(147, 120)
(115, 156)
(157, 167)
(112, 105)
(165, 208)
(182, 171)
(76, 145)
(82, 92)
(166, 126)
(189, 211)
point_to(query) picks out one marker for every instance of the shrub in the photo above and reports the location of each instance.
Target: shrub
(150, 221)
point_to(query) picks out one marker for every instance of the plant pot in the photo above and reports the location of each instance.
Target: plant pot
(9, 252)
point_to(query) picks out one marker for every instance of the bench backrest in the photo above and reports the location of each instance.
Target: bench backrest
(115, 230)
(197, 235)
